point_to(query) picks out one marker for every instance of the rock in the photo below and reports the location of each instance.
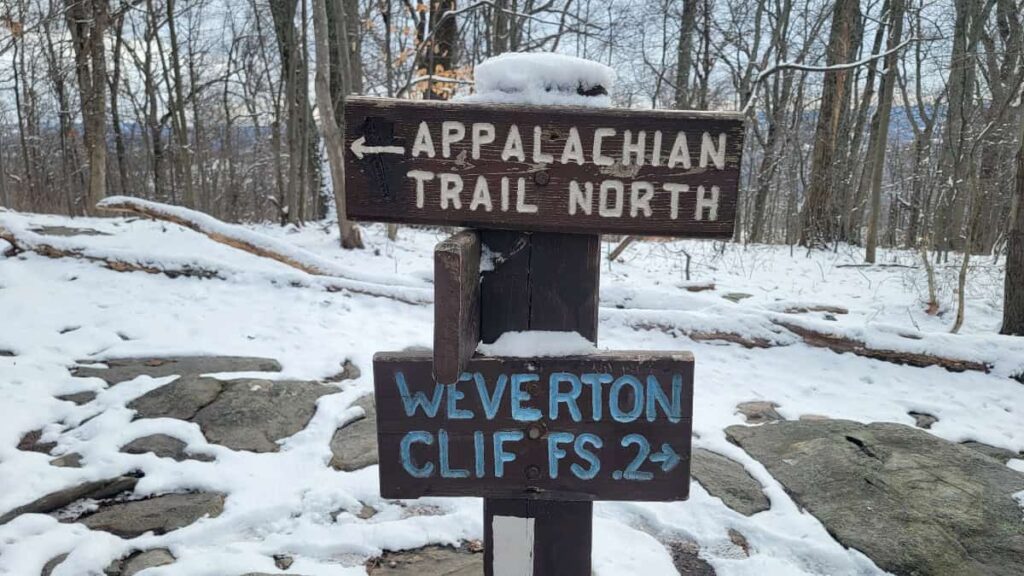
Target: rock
(97, 489)
(814, 417)
(686, 560)
(1001, 454)
(727, 479)
(52, 564)
(141, 561)
(349, 371)
(163, 446)
(255, 414)
(159, 514)
(759, 412)
(124, 369)
(913, 503)
(366, 512)
(736, 296)
(180, 399)
(30, 442)
(355, 446)
(79, 398)
(737, 538)
(283, 561)
(70, 460)
(428, 561)
(922, 419)
(7, 353)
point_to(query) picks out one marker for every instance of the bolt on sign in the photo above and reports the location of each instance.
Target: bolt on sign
(610, 426)
(543, 168)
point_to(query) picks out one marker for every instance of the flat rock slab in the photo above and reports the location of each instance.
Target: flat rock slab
(124, 369)
(97, 489)
(429, 561)
(354, 446)
(727, 479)
(79, 398)
(243, 414)
(163, 446)
(159, 514)
(913, 503)
(180, 399)
(255, 414)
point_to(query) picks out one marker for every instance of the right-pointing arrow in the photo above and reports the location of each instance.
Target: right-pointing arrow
(668, 457)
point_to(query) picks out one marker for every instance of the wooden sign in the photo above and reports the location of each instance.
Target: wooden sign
(614, 426)
(456, 304)
(543, 168)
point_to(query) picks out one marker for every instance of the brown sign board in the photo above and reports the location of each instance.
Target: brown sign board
(543, 168)
(608, 426)
(456, 304)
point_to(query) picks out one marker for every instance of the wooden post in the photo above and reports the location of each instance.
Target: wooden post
(540, 281)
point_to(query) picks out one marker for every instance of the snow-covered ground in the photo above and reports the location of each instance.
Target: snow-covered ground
(56, 312)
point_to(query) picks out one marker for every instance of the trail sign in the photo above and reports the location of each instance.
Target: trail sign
(611, 426)
(543, 168)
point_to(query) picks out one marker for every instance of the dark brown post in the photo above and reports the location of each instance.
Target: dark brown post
(541, 281)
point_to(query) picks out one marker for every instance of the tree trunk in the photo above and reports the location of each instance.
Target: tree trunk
(1013, 303)
(333, 132)
(819, 219)
(87, 21)
(884, 111)
(684, 58)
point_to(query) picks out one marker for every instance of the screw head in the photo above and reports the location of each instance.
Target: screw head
(532, 472)
(541, 178)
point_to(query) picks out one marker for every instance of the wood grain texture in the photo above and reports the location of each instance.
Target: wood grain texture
(379, 189)
(456, 304)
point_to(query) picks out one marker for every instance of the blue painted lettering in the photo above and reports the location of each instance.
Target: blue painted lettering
(500, 455)
(493, 401)
(454, 412)
(478, 451)
(519, 412)
(596, 381)
(555, 453)
(446, 469)
(588, 456)
(568, 398)
(673, 409)
(405, 454)
(411, 402)
(615, 398)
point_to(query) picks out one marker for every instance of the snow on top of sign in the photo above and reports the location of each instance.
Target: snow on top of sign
(542, 78)
(538, 343)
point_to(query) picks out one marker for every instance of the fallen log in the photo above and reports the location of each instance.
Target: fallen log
(841, 344)
(27, 241)
(242, 238)
(37, 245)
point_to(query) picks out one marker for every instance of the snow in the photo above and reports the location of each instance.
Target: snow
(538, 343)
(541, 78)
(283, 503)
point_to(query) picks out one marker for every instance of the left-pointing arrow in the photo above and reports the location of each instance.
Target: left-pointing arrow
(359, 148)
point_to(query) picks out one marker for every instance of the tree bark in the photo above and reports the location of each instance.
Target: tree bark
(88, 21)
(684, 58)
(884, 111)
(819, 219)
(333, 132)
(1013, 303)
